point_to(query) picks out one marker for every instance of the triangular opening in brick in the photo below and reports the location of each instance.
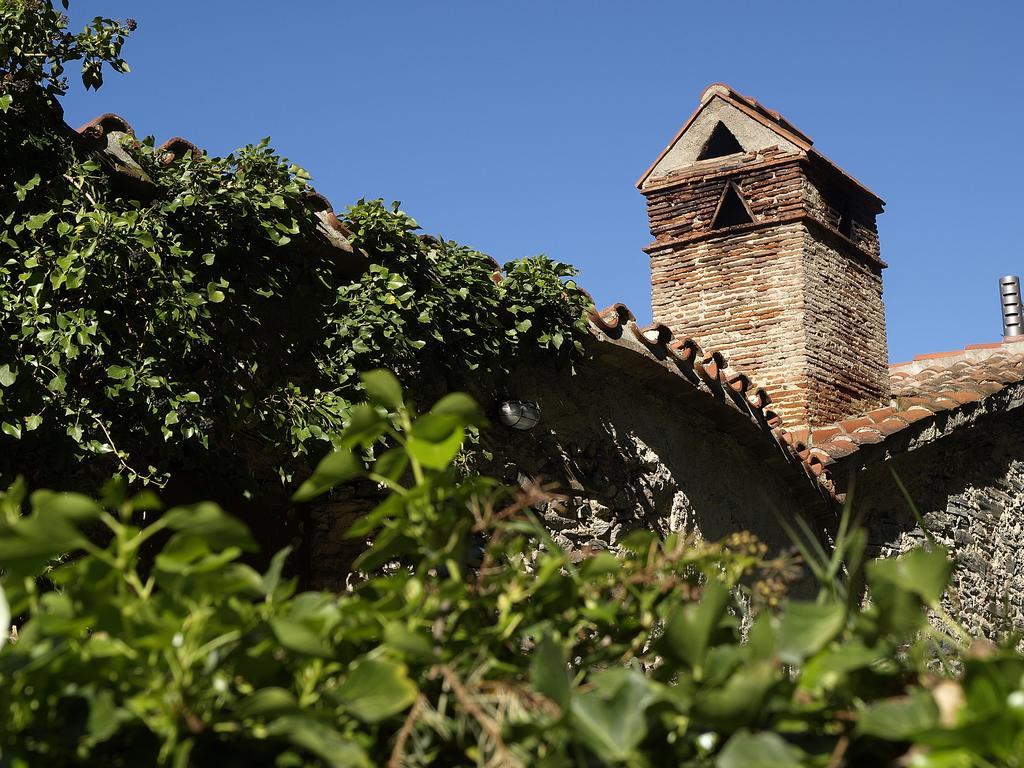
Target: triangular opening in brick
(720, 143)
(732, 209)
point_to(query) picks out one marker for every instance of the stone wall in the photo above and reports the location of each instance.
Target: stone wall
(629, 456)
(847, 356)
(624, 455)
(969, 487)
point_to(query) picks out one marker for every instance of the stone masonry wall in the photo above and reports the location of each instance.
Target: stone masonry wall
(847, 356)
(630, 457)
(969, 487)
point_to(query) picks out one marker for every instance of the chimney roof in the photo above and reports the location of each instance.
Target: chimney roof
(767, 117)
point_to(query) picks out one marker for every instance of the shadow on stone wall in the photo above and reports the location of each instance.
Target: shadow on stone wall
(629, 458)
(969, 487)
(622, 455)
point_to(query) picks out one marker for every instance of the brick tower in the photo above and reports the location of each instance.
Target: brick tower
(767, 251)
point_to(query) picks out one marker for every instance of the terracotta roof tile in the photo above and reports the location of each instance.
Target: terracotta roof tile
(849, 425)
(925, 388)
(707, 373)
(866, 435)
(892, 425)
(880, 414)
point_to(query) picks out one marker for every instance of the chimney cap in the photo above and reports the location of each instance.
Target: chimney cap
(1013, 312)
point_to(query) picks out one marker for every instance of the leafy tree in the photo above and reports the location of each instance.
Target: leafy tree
(473, 640)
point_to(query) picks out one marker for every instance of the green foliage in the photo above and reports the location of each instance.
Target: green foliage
(35, 46)
(195, 300)
(472, 640)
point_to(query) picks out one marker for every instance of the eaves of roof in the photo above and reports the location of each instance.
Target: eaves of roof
(702, 380)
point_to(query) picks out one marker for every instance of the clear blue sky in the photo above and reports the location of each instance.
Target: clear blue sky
(520, 128)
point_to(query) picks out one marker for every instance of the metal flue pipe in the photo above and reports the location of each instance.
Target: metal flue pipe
(1013, 311)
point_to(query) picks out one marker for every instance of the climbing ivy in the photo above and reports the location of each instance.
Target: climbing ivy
(185, 316)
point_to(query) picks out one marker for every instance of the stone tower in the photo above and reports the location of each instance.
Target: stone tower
(768, 252)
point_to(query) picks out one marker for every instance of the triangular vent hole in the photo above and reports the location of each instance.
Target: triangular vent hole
(720, 143)
(732, 210)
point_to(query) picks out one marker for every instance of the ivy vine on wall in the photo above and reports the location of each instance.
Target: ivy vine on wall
(199, 320)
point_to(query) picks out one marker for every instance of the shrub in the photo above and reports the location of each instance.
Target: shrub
(472, 640)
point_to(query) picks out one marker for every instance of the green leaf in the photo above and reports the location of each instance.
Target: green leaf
(212, 524)
(383, 388)
(39, 220)
(600, 564)
(187, 554)
(117, 372)
(690, 626)
(459, 405)
(21, 190)
(759, 750)
(272, 578)
(392, 463)
(335, 468)
(267, 702)
(300, 637)
(921, 572)
(739, 701)
(376, 689)
(612, 717)
(11, 429)
(827, 670)
(364, 427)
(901, 718)
(321, 739)
(214, 293)
(806, 628)
(436, 455)
(549, 671)
(53, 528)
(411, 644)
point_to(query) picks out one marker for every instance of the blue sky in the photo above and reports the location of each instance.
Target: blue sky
(521, 128)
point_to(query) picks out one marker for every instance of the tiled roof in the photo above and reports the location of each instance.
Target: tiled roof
(704, 380)
(932, 395)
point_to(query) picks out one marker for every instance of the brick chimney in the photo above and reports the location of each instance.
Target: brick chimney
(768, 252)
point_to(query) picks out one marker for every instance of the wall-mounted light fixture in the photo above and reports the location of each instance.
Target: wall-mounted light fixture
(518, 414)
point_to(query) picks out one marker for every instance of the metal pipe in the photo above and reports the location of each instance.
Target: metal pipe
(1013, 312)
